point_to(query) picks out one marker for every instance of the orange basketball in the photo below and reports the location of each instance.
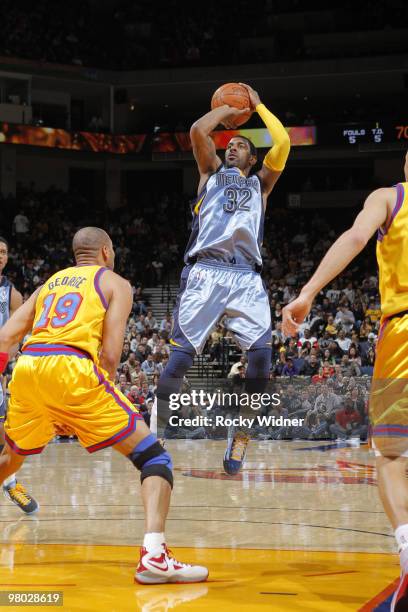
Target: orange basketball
(234, 95)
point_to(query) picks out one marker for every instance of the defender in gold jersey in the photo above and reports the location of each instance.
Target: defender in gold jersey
(64, 377)
(385, 211)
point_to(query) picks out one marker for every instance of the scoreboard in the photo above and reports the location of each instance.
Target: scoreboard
(374, 132)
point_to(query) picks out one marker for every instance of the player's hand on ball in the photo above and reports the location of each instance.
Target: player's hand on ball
(233, 113)
(294, 314)
(253, 95)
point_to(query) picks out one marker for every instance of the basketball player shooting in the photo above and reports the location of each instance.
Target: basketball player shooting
(77, 321)
(223, 256)
(385, 212)
(10, 300)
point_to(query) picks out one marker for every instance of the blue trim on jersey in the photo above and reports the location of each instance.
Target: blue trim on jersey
(42, 350)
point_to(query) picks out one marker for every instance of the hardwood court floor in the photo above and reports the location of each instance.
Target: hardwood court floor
(301, 528)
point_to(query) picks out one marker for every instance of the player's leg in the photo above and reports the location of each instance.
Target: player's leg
(388, 411)
(393, 490)
(249, 319)
(156, 565)
(170, 382)
(200, 304)
(102, 416)
(13, 490)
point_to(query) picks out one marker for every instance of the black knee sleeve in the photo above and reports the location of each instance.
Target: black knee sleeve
(152, 460)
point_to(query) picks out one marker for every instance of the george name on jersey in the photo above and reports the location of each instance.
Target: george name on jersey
(66, 281)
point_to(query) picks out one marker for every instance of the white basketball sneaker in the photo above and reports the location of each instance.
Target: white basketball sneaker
(160, 567)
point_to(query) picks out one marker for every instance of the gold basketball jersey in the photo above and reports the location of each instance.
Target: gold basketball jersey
(392, 256)
(70, 310)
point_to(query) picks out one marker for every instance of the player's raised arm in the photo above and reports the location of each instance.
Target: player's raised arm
(203, 145)
(118, 293)
(275, 160)
(19, 324)
(377, 208)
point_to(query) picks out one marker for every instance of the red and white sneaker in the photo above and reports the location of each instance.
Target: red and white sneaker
(161, 567)
(400, 600)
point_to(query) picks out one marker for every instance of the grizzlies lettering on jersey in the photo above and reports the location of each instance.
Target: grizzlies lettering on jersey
(5, 297)
(70, 310)
(228, 219)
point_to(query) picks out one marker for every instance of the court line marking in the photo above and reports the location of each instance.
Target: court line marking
(220, 507)
(275, 593)
(379, 599)
(331, 573)
(209, 548)
(35, 584)
(201, 520)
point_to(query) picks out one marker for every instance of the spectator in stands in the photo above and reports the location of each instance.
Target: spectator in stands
(243, 361)
(125, 352)
(165, 325)
(124, 386)
(151, 320)
(327, 399)
(368, 362)
(311, 367)
(125, 371)
(21, 225)
(140, 324)
(158, 266)
(348, 422)
(153, 341)
(331, 327)
(163, 348)
(349, 368)
(280, 363)
(148, 365)
(342, 341)
(373, 310)
(138, 376)
(366, 328)
(289, 369)
(354, 356)
(345, 318)
(215, 346)
(141, 352)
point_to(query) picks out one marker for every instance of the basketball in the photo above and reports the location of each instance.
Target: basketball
(235, 95)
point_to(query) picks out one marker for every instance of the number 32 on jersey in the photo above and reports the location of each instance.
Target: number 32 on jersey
(236, 199)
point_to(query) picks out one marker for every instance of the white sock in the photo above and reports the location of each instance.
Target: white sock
(153, 417)
(10, 480)
(401, 535)
(404, 560)
(153, 541)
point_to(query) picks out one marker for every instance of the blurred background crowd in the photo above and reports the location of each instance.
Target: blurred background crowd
(323, 373)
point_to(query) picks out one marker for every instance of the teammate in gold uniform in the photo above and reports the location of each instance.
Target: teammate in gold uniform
(64, 377)
(386, 211)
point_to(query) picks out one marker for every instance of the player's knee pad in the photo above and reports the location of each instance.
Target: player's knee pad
(151, 459)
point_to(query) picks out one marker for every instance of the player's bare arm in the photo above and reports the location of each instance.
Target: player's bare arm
(275, 160)
(16, 300)
(118, 294)
(19, 324)
(203, 145)
(377, 209)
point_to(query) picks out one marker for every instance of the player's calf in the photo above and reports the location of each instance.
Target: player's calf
(14, 491)
(157, 565)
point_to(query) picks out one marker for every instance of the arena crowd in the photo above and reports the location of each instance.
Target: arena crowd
(323, 374)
